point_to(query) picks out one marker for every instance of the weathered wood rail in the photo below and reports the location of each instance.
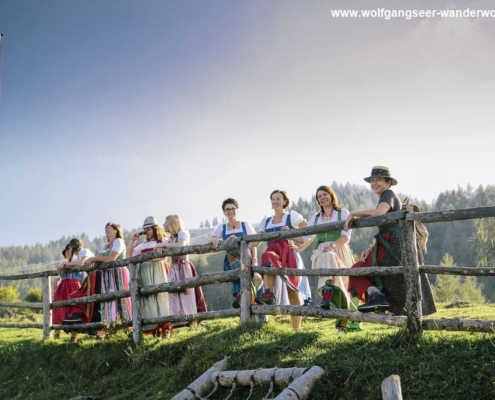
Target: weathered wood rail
(413, 319)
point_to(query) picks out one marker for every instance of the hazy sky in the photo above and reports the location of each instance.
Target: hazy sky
(113, 110)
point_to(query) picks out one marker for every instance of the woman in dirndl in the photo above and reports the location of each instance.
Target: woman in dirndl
(383, 293)
(80, 313)
(152, 272)
(111, 279)
(331, 251)
(63, 286)
(189, 301)
(232, 229)
(281, 253)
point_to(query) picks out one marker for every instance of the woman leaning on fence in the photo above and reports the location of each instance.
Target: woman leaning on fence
(384, 292)
(63, 286)
(151, 272)
(233, 229)
(189, 301)
(81, 313)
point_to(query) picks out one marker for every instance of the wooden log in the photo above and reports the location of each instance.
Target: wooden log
(202, 280)
(397, 270)
(23, 304)
(411, 275)
(452, 215)
(391, 389)
(302, 387)
(468, 271)
(47, 312)
(280, 376)
(382, 319)
(22, 326)
(231, 312)
(202, 384)
(137, 332)
(459, 324)
(245, 275)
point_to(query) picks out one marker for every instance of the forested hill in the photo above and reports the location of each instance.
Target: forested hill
(458, 239)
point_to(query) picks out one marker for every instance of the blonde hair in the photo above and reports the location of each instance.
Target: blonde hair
(175, 224)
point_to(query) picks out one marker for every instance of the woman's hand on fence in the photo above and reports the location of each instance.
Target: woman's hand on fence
(215, 240)
(90, 260)
(348, 221)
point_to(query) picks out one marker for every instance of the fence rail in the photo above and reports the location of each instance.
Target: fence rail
(413, 320)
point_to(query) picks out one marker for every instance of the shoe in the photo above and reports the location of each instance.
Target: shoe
(73, 339)
(376, 302)
(99, 337)
(307, 302)
(237, 301)
(73, 319)
(341, 329)
(267, 297)
(326, 298)
(56, 336)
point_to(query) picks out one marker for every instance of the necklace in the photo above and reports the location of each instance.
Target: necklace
(326, 216)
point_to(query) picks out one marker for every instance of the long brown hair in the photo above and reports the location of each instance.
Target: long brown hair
(330, 191)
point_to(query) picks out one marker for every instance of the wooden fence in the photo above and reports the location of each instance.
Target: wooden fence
(413, 320)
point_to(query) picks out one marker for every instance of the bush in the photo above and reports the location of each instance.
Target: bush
(9, 294)
(34, 296)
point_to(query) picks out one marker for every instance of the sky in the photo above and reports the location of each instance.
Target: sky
(113, 110)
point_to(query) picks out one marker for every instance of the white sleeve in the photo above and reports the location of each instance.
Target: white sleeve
(295, 218)
(249, 228)
(217, 232)
(137, 250)
(184, 235)
(261, 227)
(118, 246)
(343, 217)
(310, 223)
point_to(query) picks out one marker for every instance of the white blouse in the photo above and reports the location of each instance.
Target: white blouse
(295, 219)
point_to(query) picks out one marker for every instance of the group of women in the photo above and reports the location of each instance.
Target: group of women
(152, 272)
(330, 250)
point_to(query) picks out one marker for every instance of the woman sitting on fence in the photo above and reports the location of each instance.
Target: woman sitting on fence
(189, 301)
(152, 272)
(63, 286)
(332, 252)
(384, 292)
(232, 229)
(281, 254)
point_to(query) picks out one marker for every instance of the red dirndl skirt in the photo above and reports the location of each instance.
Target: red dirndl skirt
(280, 255)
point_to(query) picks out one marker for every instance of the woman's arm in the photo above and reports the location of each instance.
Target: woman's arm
(180, 243)
(381, 209)
(132, 244)
(111, 257)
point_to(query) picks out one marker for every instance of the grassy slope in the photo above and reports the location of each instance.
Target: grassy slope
(439, 365)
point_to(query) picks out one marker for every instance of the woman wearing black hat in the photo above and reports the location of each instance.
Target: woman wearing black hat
(63, 286)
(385, 292)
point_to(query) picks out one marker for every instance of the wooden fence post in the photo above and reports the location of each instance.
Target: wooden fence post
(47, 311)
(245, 276)
(391, 389)
(137, 333)
(411, 275)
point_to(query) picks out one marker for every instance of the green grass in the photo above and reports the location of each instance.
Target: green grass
(433, 365)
